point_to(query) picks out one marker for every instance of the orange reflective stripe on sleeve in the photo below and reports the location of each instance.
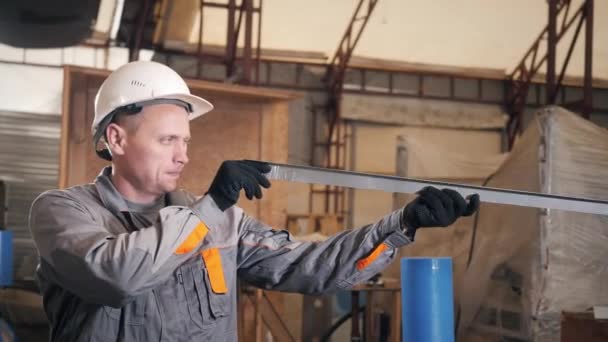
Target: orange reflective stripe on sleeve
(363, 263)
(213, 262)
(193, 240)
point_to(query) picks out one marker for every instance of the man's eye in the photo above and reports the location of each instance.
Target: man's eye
(167, 140)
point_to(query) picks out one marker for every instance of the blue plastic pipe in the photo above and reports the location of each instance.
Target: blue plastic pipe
(6, 258)
(427, 300)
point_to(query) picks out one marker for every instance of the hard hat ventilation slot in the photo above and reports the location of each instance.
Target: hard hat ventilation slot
(138, 83)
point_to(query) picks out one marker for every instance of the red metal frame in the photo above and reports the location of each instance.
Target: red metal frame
(137, 36)
(588, 80)
(249, 63)
(521, 78)
(517, 85)
(335, 145)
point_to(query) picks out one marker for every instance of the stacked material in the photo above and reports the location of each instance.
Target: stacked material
(516, 269)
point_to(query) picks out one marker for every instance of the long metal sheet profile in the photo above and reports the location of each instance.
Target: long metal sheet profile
(315, 175)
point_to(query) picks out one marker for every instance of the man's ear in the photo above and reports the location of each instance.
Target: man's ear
(116, 139)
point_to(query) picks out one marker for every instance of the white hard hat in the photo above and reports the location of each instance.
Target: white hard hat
(141, 83)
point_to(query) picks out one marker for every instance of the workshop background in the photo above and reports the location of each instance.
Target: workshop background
(510, 94)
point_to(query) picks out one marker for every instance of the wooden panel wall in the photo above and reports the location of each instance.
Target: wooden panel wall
(247, 123)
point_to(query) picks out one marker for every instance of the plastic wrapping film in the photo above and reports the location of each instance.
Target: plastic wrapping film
(573, 251)
(529, 265)
(516, 269)
(500, 254)
(422, 159)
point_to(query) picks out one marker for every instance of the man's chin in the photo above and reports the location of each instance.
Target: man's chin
(170, 186)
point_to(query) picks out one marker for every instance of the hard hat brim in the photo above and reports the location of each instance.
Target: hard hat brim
(199, 105)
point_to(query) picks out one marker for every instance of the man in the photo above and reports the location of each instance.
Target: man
(131, 258)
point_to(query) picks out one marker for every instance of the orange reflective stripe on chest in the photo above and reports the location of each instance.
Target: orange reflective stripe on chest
(193, 240)
(363, 263)
(213, 262)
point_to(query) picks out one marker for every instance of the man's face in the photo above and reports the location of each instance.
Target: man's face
(155, 149)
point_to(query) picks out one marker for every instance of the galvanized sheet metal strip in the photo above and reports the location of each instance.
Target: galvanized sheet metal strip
(314, 175)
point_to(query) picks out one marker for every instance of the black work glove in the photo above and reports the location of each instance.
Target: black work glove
(234, 175)
(436, 208)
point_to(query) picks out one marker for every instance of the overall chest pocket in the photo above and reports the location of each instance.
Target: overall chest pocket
(207, 301)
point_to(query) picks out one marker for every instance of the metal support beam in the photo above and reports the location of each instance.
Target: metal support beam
(135, 42)
(258, 55)
(199, 47)
(553, 98)
(247, 52)
(230, 46)
(334, 76)
(334, 198)
(249, 64)
(521, 78)
(232, 36)
(551, 47)
(588, 81)
(334, 82)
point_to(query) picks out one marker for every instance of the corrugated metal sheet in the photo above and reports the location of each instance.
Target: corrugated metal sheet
(29, 151)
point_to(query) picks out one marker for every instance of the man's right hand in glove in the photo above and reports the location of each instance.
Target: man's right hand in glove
(436, 208)
(236, 175)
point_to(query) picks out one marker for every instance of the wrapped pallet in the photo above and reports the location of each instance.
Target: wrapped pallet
(523, 266)
(541, 261)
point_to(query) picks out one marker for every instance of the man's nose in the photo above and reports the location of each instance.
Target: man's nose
(181, 153)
